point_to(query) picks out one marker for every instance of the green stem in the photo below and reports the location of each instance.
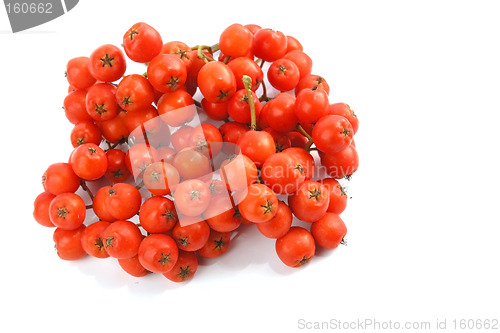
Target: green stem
(247, 82)
(303, 132)
(201, 55)
(309, 137)
(309, 144)
(214, 48)
(210, 49)
(200, 46)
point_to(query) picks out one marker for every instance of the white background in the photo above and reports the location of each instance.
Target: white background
(423, 221)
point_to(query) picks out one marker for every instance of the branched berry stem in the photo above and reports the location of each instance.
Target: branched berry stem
(247, 82)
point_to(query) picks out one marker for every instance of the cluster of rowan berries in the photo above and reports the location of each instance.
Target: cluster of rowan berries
(139, 141)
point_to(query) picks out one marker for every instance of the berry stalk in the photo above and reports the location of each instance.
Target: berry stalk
(247, 82)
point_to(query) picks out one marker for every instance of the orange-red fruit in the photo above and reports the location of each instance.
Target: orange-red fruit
(329, 231)
(158, 215)
(253, 28)
(181, 50)
(280, 114)
(107, 63)
(114, 130)
(133, 267)
(60, 178)
(93, 239)
(78, 74)
(257, 145)
(123, 201)
(302, 60)
(68, 243)
(216, 82)
(215, 111)
(184, 268)
(283, 74)
(146, 127)
(312, 81)
(235, 41)
(41, 209)
(160, 73)
(304, 158)
(310, 202)
(190, 163)
(99, 205)
(75, 108)
(217, 244)
(332, 134)
(246, 66)
(101, 102)
(238, 107)
(160, 178)
(238, 173)
(341, 164)
(192, 197)
(220, 215)
(259, 205)
(293, 44)
(191, 237)
(117, 171)
(134, 93)
(89, 161)
(296, 247)
(176, 108)
(311, 105)
(158, 253)
(282, 173)
(146, 47)
(269, 44)
(122, 239)
(338, 198)
(139, 157)
(85, 132)
(344, 110)
(67, 211)
(279, 225)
